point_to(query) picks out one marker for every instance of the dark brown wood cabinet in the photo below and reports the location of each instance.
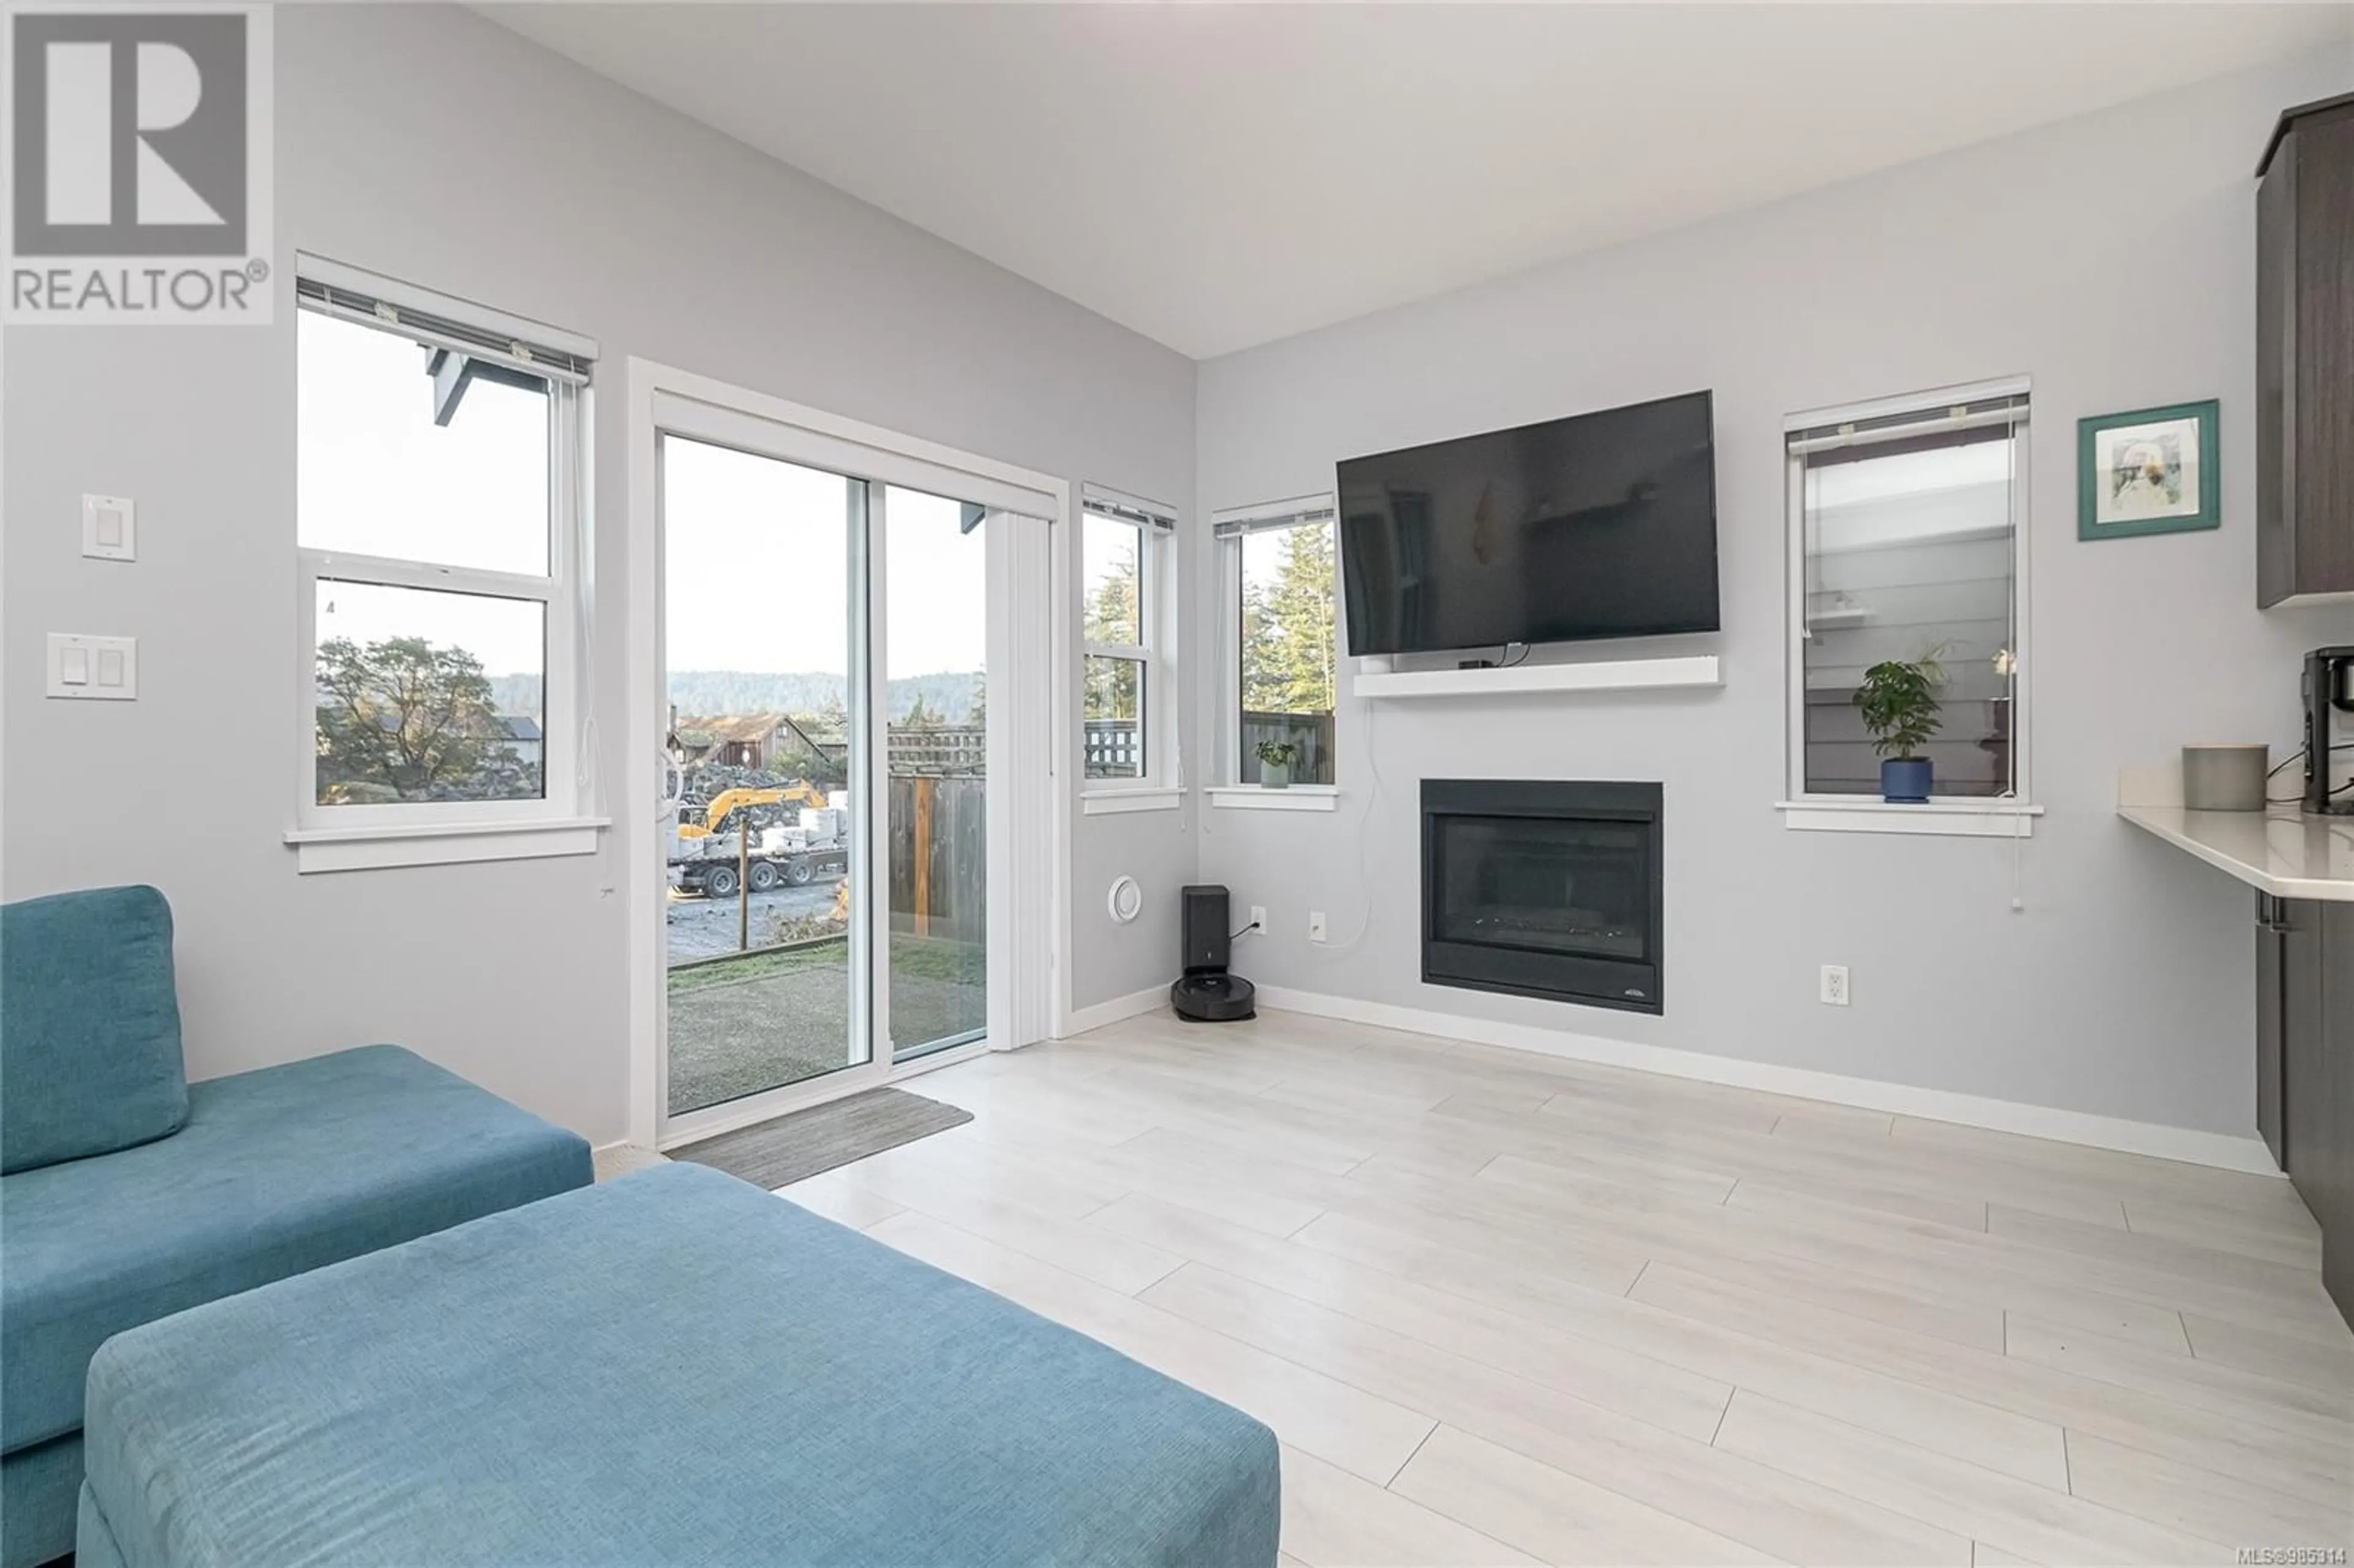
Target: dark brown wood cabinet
(2305, 356)
(2330, 1172)
(2272, 1022)
(2306, 1016)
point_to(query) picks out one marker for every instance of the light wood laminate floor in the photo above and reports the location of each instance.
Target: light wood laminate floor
(1501, 1307)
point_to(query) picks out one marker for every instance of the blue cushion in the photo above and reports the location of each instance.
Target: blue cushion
(277, 1171)
(89, 1027)
(672, 1367)
(97, 1548)
(37, 1487)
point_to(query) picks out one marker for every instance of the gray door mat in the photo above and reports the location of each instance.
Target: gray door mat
(778, 1154)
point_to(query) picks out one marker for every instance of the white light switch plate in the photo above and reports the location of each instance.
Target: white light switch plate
(105, 669)
(110, 528)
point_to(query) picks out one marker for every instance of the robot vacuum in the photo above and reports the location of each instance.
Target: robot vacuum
(1207, 993)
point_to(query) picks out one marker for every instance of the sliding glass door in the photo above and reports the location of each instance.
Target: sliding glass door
(831, 858)
(765, 688)
(935, 588)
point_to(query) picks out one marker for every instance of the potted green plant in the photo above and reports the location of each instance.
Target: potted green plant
(1898, 699)
(1275, 758)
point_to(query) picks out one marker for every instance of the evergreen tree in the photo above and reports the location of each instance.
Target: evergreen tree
(1288, 629)
(1112, 614)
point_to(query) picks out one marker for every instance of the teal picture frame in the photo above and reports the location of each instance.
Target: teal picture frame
(2130, 471)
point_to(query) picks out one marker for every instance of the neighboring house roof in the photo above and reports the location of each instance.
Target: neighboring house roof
(730, 726)
(698, 731)
(818, 736)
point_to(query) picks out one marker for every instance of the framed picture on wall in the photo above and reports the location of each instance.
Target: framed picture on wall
(2152, 470)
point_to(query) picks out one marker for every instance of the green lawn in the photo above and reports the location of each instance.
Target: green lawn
(742, 1024)
(702, 976)
(964, 962)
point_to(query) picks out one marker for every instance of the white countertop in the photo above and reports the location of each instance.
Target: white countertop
(2281, 852)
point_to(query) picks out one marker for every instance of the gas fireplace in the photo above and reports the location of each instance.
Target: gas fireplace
(1543, 888)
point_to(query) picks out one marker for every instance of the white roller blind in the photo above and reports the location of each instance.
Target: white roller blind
(1874, 425)
(1909, 525)
(338, 290)
(1109, 503)
(1300, 510)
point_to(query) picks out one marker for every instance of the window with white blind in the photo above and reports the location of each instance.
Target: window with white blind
(438, 531)
(1276, 563)
(1123, 573)
(1907, 528)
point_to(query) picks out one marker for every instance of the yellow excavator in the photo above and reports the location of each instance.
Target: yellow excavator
(722, 870)
(800, 791)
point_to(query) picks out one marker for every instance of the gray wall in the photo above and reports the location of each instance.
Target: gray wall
(2111, 258)
(429, 144)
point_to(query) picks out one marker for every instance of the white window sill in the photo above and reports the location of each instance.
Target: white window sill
(1948, 819)
(441, 844)
(1291, 797)
(1099, 801)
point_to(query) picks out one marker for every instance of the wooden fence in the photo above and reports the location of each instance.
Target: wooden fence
(961, 751)
(939, 857)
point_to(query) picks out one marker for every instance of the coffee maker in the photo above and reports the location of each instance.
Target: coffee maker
(2328, 691)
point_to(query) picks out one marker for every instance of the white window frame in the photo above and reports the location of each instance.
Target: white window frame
(1160, 786)
(1959, 816)
(1228, 528)
(561, 821)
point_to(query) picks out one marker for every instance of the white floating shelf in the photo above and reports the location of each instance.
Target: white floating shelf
(1618, 675)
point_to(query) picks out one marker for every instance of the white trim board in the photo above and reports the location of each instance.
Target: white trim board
(1950, 819)
(1290, 798)
(2222, 1150)
(1135, 1004)
(1145, 798)
(318, 850)
(1519, 679)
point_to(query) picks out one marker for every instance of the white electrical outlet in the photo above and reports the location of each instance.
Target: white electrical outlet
(110, 528)
(1835, 985)
(1259, 918)
(1316, 925)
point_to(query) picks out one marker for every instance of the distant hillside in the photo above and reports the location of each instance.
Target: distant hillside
(710, 692)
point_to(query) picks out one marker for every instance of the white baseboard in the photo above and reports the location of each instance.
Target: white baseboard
(2219, 1150)
(1083, 1019)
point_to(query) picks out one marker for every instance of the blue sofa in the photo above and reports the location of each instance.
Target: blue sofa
(675, 1367)
(128, 1194)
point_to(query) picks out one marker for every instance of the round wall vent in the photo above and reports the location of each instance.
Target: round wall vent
(1126, 900)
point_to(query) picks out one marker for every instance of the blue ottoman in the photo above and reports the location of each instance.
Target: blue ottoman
(672, 1367)
(275, 1171)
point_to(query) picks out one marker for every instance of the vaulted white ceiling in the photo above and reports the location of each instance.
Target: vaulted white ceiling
(1216, 176)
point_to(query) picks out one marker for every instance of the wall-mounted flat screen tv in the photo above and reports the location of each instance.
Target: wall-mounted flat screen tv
(1598, 525)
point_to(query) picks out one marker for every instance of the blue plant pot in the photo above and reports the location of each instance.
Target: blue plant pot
(1904, 779)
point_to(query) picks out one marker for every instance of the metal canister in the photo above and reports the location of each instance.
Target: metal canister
(2225, 778)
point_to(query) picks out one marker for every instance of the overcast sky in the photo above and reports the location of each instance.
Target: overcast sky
(758, 550)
